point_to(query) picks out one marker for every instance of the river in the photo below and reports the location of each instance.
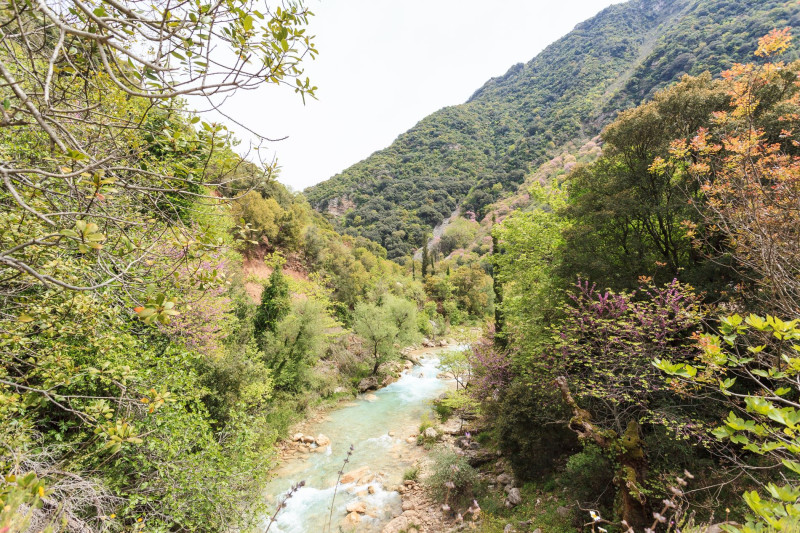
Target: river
(377, 426)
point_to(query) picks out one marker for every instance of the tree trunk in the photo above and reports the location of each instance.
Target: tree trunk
(377, 361)
(629, 457)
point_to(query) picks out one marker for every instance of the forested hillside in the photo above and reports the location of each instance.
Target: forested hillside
(471, 155)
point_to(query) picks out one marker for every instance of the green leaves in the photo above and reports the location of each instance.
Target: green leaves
(157, 309)
(87, 234)
(678, 369)
(769, 424)
(117, 434)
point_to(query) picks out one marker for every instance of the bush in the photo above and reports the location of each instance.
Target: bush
(443, 411)
(530, 432)
(453, 480)
(588, 476)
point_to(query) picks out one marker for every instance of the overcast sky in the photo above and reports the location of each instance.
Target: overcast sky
(386, 64)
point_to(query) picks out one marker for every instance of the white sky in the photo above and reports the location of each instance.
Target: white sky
(386, 64)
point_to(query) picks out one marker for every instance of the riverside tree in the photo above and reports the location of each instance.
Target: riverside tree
(383, 326)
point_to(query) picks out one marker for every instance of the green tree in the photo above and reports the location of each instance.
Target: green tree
(425, 259)
(384, 326)
(627, 217)
(275, 303)
(295, 344)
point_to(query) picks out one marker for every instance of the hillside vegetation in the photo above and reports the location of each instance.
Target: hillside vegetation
(471, 155)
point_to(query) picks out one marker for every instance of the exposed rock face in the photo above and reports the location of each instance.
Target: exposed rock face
(339, 206)
(367, 384)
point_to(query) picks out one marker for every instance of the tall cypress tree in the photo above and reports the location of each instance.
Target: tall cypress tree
(425, 258)
(275, 303)
(499, 320)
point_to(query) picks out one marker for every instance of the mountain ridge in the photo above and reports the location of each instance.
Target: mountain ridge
(473, 154)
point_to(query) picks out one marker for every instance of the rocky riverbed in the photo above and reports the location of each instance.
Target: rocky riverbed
(371, 495)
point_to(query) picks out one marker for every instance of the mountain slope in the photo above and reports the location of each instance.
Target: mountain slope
(472, 154)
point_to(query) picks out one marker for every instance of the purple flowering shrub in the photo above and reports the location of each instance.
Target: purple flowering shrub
(492, 370)
(607, 342)
(603, 357)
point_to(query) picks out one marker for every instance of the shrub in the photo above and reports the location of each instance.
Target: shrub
(529, 433)
(453, 481)
(588, 476)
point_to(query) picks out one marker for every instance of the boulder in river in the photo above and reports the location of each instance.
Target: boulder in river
(357, 507)
(307, 439)
(297, 436)
(352, 519)
(366, 384)
(353, 475)
(322, 440)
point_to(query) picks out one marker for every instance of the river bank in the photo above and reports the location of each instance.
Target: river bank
(382, 428)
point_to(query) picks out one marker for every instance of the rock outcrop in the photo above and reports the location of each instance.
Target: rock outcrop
(368, 384)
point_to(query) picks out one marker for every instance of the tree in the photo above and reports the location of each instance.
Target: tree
(99, 160)
(263, 215)
(500, 338)
(752, 366)
(528, 267)
(457, 364)
(425, 259)
(603, 368)
(382, 326)
(626, 215)
(472, 289)
(747, 167)
(295, 343)
(275, 303)
(112, 206)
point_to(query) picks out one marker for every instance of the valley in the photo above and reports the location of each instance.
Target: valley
(568, 304)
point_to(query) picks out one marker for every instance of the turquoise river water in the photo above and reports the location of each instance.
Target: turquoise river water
(378, 427)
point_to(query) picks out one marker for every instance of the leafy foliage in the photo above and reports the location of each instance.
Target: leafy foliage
(753, 365)
(383, 326)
